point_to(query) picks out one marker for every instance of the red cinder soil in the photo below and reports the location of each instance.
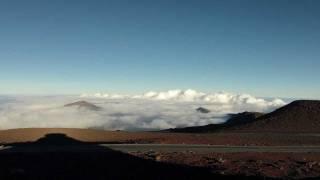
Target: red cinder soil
(274, 165)
(87, 135)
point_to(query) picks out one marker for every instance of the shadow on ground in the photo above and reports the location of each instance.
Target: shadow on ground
(57, 156)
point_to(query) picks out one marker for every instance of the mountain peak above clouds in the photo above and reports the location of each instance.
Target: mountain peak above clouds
(84, 105)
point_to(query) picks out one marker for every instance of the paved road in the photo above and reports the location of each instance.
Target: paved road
(209, 148)
(167, 148)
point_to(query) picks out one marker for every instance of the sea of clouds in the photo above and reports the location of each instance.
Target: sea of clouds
(149, 111)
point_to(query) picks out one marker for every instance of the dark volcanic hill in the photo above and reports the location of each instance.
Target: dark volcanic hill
(202, 110)
(84, 105)
(297, 117)
(234, 120)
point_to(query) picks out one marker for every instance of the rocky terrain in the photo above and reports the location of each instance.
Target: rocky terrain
(264, 165)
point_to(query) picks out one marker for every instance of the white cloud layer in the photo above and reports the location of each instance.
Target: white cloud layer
(152, 110)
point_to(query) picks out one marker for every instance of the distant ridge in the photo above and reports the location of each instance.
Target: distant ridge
(234, 120)
(84, 105)
(301, 116)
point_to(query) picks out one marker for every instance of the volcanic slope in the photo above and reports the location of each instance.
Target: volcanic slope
(301, 116)
(297, 117)
(235, 120)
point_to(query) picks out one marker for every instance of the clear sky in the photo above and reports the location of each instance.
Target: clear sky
(267, 48)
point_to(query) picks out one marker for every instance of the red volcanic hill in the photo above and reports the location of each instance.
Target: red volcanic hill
(297, 117)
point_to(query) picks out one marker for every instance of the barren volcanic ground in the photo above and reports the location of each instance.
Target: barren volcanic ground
(271, 165)
(88, 135)
(100, 162)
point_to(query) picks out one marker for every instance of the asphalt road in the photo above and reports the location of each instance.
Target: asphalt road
(127, 148)
(209, 148)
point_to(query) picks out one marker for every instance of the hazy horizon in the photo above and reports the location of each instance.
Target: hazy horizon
(126, 93)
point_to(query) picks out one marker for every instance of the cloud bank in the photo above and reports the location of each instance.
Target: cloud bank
(152, 110)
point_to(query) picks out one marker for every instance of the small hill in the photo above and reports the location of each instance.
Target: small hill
(234, 120)
(84, 105)
(202, 110)
(298, 116)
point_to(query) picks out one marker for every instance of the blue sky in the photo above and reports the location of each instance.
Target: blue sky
(267, 48)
